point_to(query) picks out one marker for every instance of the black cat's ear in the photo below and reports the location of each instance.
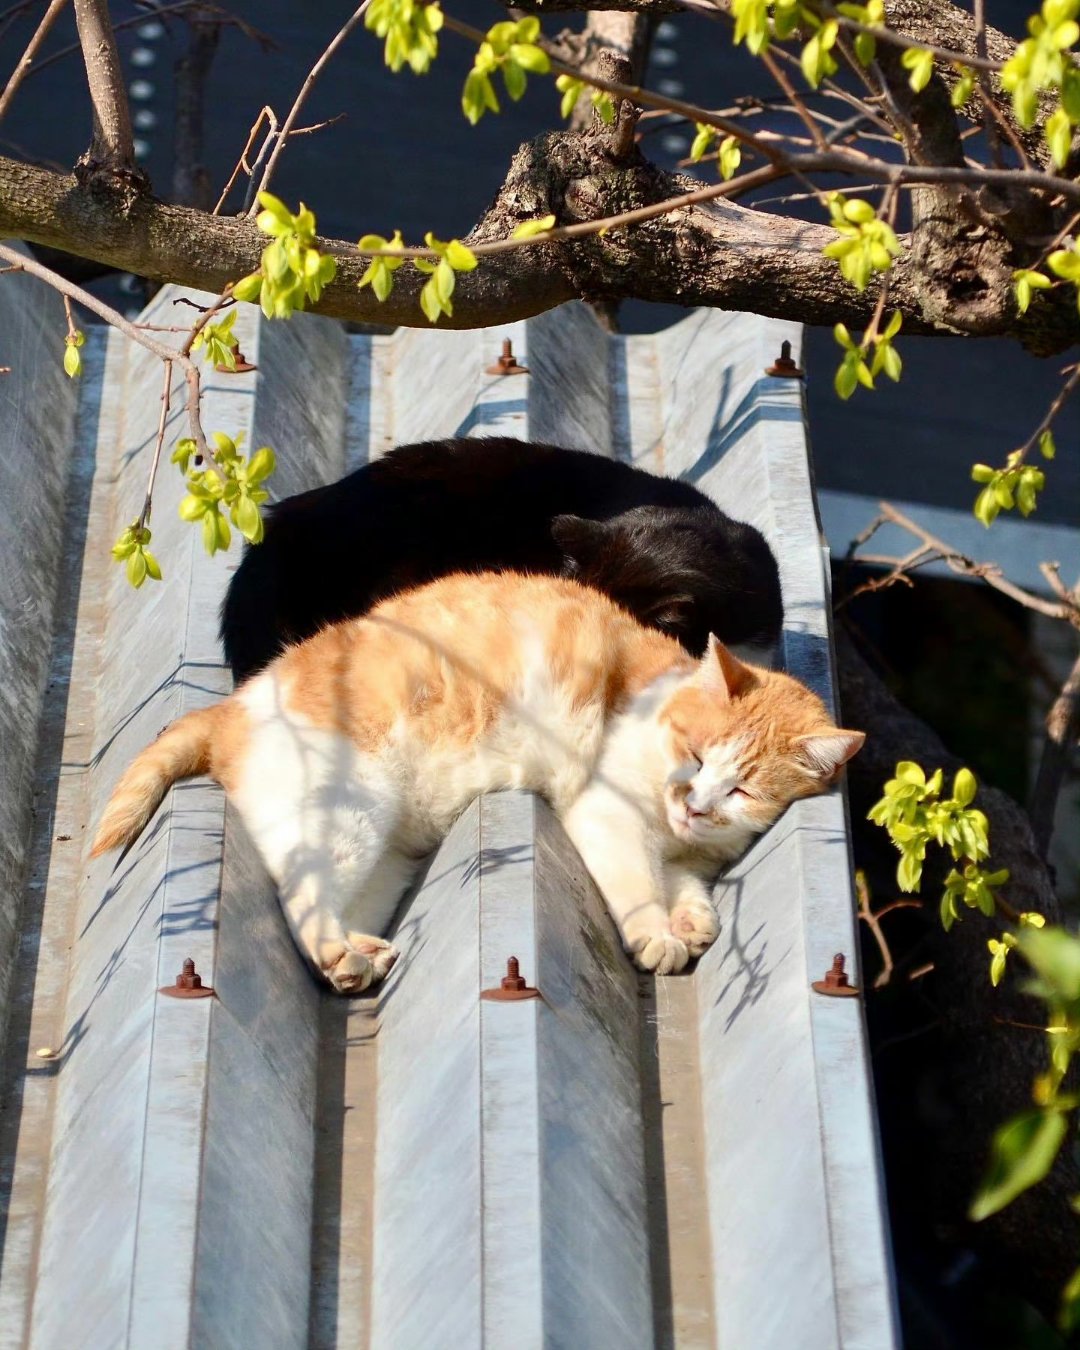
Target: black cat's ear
(580, 539)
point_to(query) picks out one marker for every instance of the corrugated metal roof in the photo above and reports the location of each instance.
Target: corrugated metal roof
(691, 1162)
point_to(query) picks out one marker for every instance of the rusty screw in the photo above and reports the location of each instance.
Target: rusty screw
(241, 367)
(836, 982)
(512, 986)
(507, 362)
(188, 984)
(784, 367)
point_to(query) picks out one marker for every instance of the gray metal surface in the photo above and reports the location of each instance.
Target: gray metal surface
(37, 415)
(421, 1168)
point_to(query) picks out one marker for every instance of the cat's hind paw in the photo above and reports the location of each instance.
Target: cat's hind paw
(351, 966)
(664, 954)
(379, 952)
(696, 926)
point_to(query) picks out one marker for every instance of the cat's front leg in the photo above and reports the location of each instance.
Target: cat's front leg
(612, 837)
(693, 918)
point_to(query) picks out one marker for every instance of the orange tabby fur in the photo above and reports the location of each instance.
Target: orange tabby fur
(350, 756)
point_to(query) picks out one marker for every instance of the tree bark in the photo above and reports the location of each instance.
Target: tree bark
(967, 1069)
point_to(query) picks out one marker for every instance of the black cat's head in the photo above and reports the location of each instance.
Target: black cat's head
(687, 571)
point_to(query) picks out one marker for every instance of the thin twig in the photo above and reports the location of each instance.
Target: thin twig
(27, 59)
(989, 124)
(1060, 399)
(223, 17)
(166, 391)
(872, 921)
(803, 112)
(933, 549)
(282, 138)
(266, 114)
(766, 174)
(1062, 730)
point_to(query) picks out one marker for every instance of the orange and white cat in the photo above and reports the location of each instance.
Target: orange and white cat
(351, 755)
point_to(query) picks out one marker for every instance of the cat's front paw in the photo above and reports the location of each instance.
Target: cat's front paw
(696, 926)
(664, 954)
(351, 966)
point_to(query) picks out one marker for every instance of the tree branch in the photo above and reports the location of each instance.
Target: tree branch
(27, 59)
(113, 147)
(715, 253)
(112, 317)
(282, 138)
(1062, 730)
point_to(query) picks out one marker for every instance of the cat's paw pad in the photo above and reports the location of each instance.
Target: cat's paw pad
(356, 962)
(379, 952)
(696, 926)
(664, 954)
(349, 973)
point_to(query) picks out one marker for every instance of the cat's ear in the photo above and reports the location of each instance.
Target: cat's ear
(580, 540)
(721, 671)
(825, 752)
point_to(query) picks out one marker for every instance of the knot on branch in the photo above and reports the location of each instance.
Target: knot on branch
(121, 184)
(618, 139)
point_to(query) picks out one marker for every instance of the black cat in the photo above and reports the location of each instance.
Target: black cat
(656, 545)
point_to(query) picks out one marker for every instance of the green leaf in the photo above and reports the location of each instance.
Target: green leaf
(571, 90)
(921, 65)
(1055, 956)
(249, 287)
(444, 282)
(604, 105)
(136, 568)
(72, 361)
(529, 228)
(964, 787)
(1058, 134)
(909, 872)
(262, 465)
(429, 301)
(248, 520)
(1022, 1152)
(963, 88)
(704, 138)
(460, 258)
(514, 78)
(865, 48)
(1069, 1312)
(1047, 447)
(730, 157)
(846, 381)
(997, 963)
(1065, 263)
(892, 363)
(531, 58)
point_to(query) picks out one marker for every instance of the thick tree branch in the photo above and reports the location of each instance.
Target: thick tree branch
(718, 254)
